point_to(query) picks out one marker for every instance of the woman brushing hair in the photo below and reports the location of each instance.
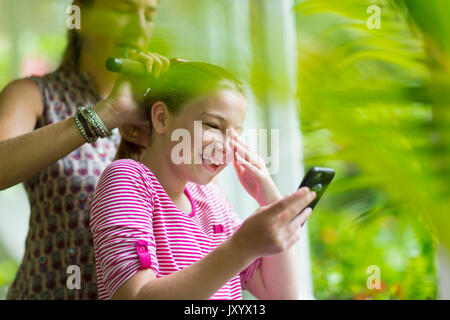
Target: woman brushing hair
(161, 230)
(58, 149)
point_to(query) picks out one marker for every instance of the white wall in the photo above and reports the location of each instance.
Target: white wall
(444, 272)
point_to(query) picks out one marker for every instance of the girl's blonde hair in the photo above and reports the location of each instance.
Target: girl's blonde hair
(182, 82)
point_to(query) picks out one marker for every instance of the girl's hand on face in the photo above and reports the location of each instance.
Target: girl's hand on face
(122, 105)
(252, 172)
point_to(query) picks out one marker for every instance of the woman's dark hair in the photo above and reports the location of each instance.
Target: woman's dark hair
(181, 83)
(73, 49)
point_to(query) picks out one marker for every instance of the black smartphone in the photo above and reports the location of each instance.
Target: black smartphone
(317, 179)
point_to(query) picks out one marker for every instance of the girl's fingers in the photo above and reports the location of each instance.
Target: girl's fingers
(295, 228)
(300, 219)
(247, 165)
(239, 168)
(290, 206)
(240, 141)
(246, 151)
(293, 238)
(235, 136)
(238, 149)
(247, 154)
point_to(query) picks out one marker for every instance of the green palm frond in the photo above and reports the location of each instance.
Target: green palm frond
(372, 96)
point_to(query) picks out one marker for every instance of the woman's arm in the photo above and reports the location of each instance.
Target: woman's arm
(24, 151)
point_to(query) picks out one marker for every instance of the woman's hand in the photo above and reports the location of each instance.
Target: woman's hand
(121, 107)
(252, 172)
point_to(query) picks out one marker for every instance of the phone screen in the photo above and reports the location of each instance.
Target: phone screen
(317, 179)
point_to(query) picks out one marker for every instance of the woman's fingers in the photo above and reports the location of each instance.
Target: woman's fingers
(157, 66)
(165, 63)
(147, 60)
(178, 60)
(154, 63)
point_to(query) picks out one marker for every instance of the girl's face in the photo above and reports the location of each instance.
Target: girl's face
(197, 135)
(110, 26)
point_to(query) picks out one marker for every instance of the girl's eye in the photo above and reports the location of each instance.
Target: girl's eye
(212, 125)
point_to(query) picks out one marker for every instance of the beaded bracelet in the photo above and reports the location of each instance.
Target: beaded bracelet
(83, 128)
(87, 128)
(90, 125)
(99, 127)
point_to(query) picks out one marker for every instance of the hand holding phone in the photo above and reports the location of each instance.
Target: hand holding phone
(317, 179)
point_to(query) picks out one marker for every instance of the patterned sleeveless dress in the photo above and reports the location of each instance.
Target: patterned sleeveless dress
(59, 196)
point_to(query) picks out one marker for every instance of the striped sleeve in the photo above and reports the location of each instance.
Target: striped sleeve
(236, 223)
(121, 222)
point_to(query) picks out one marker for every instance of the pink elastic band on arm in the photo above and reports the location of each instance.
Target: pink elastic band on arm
(144, 255)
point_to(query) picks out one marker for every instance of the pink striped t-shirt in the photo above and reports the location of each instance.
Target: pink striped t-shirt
(136, 225)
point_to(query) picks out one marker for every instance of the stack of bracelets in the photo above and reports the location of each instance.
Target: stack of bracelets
(90, 125)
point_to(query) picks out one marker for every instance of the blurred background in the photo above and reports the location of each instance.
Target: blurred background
(361, 86)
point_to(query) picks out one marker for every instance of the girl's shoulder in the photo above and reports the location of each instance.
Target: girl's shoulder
(126, 167)
(130, 171)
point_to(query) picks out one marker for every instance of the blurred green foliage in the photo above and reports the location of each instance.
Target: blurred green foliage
(375, 106)
(342, 251)
(8, 270)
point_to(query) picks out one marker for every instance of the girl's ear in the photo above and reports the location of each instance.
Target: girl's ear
(159, 114)
(137, 135)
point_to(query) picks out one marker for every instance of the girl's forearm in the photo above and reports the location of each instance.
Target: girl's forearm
(280, 273)
(281, 276)
(201, 279)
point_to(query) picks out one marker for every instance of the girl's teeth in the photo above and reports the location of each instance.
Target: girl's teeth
(209, 161)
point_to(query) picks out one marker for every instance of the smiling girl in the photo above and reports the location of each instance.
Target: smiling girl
(161, 230)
